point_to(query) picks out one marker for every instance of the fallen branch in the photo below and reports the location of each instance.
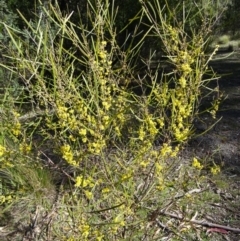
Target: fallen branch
(33, 114)
(200, 222)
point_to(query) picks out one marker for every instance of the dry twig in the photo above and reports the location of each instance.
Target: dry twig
(200, 222)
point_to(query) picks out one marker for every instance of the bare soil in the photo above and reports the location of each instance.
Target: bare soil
(221, 145)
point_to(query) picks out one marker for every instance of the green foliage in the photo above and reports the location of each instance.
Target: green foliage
(25, 6)
(231, 17)
(224, 39)
(7, 16)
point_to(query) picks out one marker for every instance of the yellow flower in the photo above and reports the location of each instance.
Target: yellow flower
(25, 148)
(16, 114)
(213, 113)
(62, 113)
(166, 149)
(16, 130)
(72, 138)
(105, 190)
(188, 195)
(127, 175)
(182, 82)
(106, 119)
(106, 105)
(104, 43)
(85, 230)
(80, 182)
(5, 199)
(71, 239)
(99, 236)
(196, 163)
(72, 122)
(117, 130)
(102, 54)
(161, 122)
(141, 133)
(83, 182)
(119, 220)
(175, 152)
(152, 127)
(161, 185)
(84, 140)
(144, 163)
(186, 68)
(181, 135)
(159, 167)
(2, 150)
(67, 154)
(215, 170)
(82, 132)
(88, 194)
(97, 146)
(2, 199)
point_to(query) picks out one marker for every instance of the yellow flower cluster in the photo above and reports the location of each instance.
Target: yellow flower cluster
(161, 94)
(96, 146)
(118, 222)
(2, 150)
(181, 111)
(67, 154)
(83, 125)
(16, 128)
(151, 126)
(5, 162)
(186, 69)
(158, 167)
(215, 106)
(147, 157)
(147, 131)
(184, 60)
(5, 199)
(105, 190)
(85, 230)
(168, 151)
(110, 100)
(25, 148)
(160, 183)
(82, 181)
(67, 117)
(184, 95)
(182, 100)
(87, 183)
(141, 133)
(120, 105)
(182, 81)
(215, 169)
(89, 118)
(173, 35)
(197, 164)
(128, 174)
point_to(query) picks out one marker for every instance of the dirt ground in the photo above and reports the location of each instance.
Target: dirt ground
(224, 138)
(222, 143)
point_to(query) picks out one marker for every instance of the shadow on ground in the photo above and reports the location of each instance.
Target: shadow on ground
(221, 145)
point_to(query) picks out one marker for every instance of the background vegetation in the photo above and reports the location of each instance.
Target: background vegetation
(92, 126)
